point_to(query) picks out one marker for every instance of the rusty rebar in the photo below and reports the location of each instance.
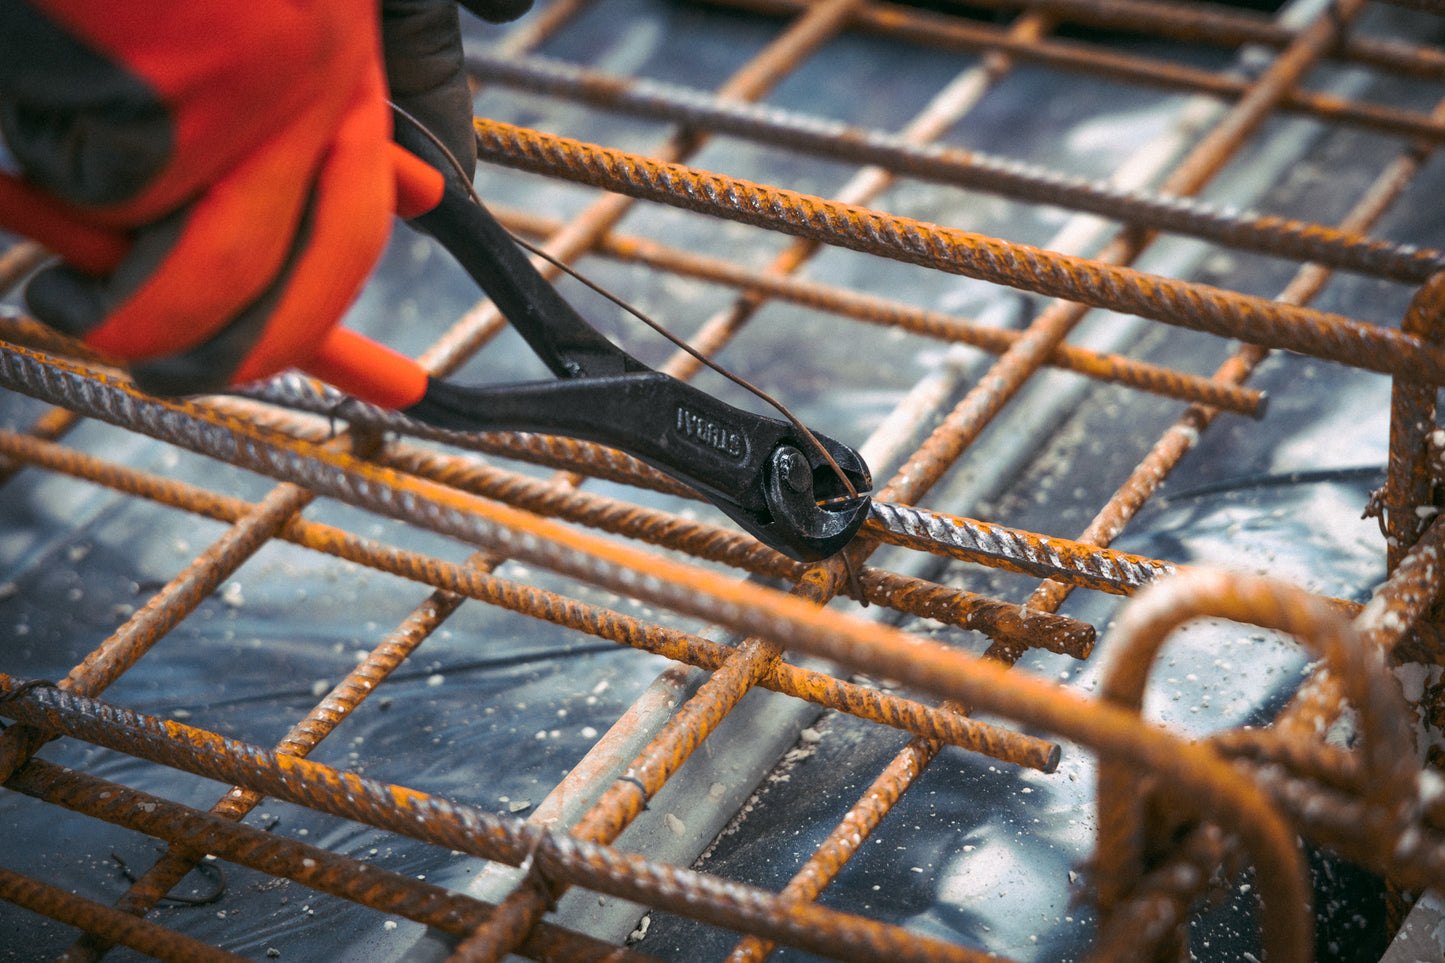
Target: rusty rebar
(1050, 327)
(1186, 304)
(1014, 549)
(1228, 27)
(748, 609)
(854, 697)
(1112, 368)
(1408, 500)
(939, 30)
(437, 821)
(471, 582)
(162, 612)
(1161, 460)
(92, 917)
(817, 584)
(1070, 635)
(360, 882)
(1034, 183)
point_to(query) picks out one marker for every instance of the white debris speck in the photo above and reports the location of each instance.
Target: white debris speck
(811, 735)
(232, 596)
(389, 925)
(519, 805)
(588, 732)
(1431, 786)
(1412, 677)
(435, 679)
(716, 791)
(320, 687)
(180, 713)
(676, 826)
(598, 689)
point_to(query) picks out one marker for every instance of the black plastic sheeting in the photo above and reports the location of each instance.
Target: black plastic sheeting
(495, 707)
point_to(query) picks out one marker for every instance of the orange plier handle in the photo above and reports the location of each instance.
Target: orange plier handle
(352, 362)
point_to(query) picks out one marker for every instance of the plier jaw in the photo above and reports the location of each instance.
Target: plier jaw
(812, 516)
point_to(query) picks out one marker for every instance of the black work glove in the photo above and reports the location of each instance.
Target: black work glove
(423, 44)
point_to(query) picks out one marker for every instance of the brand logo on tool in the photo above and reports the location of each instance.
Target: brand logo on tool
(710, 433)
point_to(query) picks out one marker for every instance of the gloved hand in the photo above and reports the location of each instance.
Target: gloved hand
(243, 147)
(424, 67)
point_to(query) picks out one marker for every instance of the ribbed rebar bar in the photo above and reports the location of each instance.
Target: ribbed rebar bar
(1408, 501)
(163, 611)
(1303, 288)
(470, 830)
(470, 582)
(748, 609)
(1035, 183)
(1112, 368)
(149, 938)
(1227, 26)
(351, 879)
(932, 29)
(1187, 304)
(1014, 549)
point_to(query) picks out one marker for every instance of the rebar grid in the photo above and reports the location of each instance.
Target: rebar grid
(1176, 817)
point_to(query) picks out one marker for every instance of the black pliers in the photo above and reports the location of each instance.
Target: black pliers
(766, 474)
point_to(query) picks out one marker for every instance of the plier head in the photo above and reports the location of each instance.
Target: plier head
(812, 511)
